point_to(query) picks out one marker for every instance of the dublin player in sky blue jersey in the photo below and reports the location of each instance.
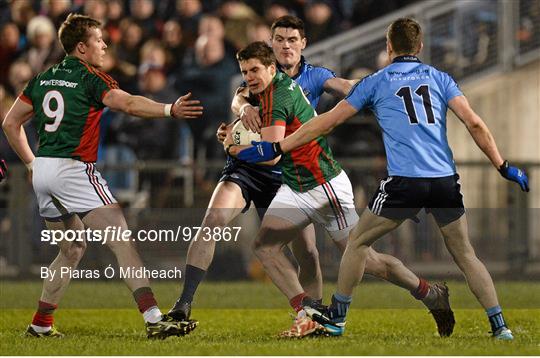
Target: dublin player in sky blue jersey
(410, 101)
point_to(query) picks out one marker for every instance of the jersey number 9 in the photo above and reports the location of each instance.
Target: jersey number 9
(56, 114)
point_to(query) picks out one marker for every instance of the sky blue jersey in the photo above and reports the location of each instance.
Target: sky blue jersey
(410, 101)
(311, 79)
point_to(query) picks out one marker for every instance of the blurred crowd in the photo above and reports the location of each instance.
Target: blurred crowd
(162, 49)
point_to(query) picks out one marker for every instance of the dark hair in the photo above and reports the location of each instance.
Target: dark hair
(405, 36)
(289, 21)
(259, 50)
(74, 30)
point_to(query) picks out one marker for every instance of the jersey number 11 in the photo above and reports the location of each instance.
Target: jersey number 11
(422, 91)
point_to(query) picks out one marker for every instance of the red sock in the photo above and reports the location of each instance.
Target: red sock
(44, 314)
(144, 298)
(296, 301)
(421, 291)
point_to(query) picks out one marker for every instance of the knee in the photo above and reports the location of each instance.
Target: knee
(215, 218)
(74, 253)
(357, 243)
(263, 250)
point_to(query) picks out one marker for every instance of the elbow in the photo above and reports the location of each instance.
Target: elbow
(6, 126)
(475, 126)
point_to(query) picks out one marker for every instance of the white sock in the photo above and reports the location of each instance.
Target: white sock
(40, 329)
(152, 315)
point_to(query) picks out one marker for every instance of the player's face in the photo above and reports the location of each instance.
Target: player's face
(288, 45)
(257, 75)
(94, 47)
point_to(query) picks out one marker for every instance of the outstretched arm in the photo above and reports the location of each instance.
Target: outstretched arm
(12, 125)
(485, 141)
(318, 126)
(339, 87)
(119, 100)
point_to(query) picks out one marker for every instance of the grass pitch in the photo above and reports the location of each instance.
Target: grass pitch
(99, 318)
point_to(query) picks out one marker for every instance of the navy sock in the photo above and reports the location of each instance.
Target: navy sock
(194, 276)
(340, 306)
(496, 319)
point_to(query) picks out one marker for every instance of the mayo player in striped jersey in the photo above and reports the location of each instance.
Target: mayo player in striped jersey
(66, 101)
(410, 100)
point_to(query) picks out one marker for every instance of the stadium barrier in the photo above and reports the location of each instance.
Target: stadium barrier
(503, 225)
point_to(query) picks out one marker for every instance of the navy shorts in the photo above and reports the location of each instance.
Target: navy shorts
(258, 186)
(400, 198)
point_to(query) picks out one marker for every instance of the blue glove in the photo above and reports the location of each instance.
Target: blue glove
(514, 174)
(3, 169)
(260, 152)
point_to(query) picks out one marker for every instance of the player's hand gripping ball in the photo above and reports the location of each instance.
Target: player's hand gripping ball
(243, 136)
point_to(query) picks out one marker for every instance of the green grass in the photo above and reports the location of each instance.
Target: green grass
(98, 318)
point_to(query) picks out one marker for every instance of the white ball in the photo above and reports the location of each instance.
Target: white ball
(243, 136)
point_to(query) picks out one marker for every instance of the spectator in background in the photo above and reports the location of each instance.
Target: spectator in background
(275, 11)
(259, 31)
(237, 17)
(131, 39)
(123, 72)
(96, 9)
(56, 10)
(320, 22)
(21, 12)
(153, 52)
(19, 74)
(11, 47)
(115, 11)
(172, 39)
(209, 78)
(44, 48)
(211, 26)
(142, 12)
(189, 13)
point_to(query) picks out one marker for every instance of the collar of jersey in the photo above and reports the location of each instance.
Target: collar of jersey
(406, 58)
(75, 58)
(300, 70)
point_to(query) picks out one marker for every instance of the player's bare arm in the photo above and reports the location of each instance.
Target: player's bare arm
(339, 87)
(119, 100)
(248, 114)
(318, 126)
(12, 125)
(477, 128)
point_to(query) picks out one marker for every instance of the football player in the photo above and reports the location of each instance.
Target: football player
(66, 102)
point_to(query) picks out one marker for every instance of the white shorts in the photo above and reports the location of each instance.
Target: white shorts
(330, 205)
(65, 186)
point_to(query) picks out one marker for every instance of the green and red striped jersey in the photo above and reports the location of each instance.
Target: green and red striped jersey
(67, 101)
(283, 103)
